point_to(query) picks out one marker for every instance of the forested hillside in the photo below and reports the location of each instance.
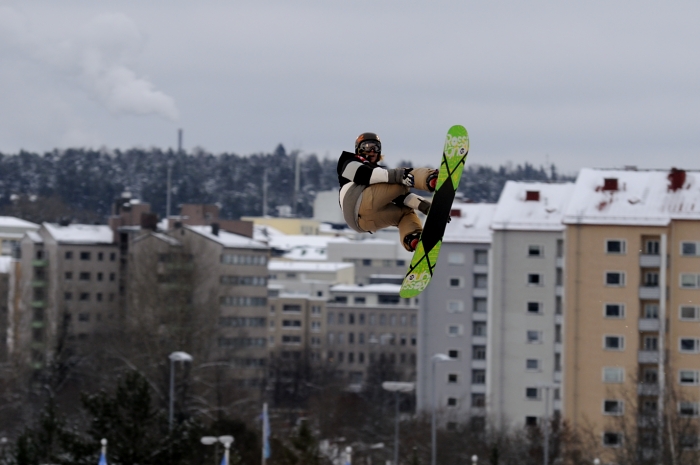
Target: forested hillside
(82, 184)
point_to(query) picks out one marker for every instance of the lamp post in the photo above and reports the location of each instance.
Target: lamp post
(545, 427)
(175, 357)
(433, 428)
(474, 459)
(225, 440)
(396, 388)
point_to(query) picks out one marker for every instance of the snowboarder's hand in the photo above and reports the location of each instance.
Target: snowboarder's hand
(407, 178)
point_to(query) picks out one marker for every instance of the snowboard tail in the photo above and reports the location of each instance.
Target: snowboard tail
(424, 260)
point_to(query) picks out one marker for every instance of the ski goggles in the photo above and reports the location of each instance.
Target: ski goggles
(369, 146)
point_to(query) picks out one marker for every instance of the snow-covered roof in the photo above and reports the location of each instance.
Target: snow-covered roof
(291, 241)
(227, 239)
(472, 224)
(5, 263)
(263, 233)
(309, 267)
(532, 206)
(307, 253)
(369, 288)
(35, 237)
(80, 233)
(160, 236)
(627, 197)
(12, 222)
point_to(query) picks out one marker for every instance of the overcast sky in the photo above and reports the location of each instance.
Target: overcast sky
(580, 84)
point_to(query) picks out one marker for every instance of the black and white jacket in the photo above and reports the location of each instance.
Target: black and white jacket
(355, 173)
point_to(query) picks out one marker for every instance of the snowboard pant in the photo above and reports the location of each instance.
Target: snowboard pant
(378, 212)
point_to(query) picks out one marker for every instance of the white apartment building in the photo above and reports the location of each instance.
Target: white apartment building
(452, 319)
(525, 321)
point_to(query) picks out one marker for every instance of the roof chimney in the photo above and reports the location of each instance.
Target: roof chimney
(532, 196)
(215, 229)
(610, 184)
(676, 179)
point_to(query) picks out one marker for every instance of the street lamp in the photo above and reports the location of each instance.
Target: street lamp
(475, 459)
(396, 388)
(225, 440)
(545, 427)
(175, 357)
(433, 429)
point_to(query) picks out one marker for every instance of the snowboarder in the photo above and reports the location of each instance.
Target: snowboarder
(373, 197)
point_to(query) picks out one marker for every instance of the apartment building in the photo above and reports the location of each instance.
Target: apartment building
(373, 258)
(526, 311)
(453, 320)
(69, 288)
(310, 278)
(368, 324)
(6, 272)
(11, 232)
(632, 303)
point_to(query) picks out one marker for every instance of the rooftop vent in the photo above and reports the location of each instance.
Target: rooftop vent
(676, 179)
(532, 196)
(455, 213)
(610, 184)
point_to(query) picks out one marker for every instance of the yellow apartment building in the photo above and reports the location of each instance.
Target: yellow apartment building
(632, 312)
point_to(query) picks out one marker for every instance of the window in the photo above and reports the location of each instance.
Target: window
(366, 262)
(85, 317)
(360, 337)
(100, 256)
(480, 281)
(382, 320)
(454, 330)
(651, 311)
(98, 296)
(455, 306)
(615, 246)
(613, 407)
(84, 296)
(84, 276)
(612, 439)
(689, 281)
(351, 318)
(530, 421)
(452, 378)
(291, 324)
(614, 342)
(388, 299)
(481, 257)
(455, 258)
(534, 251)
(85, 255)
(532, 364)
(351, 338)
(478, 376)
(69, 275)
(560, 248)
(613, 374)
(689, 313)
(650, 343)
(690, 249)
(401, 263)
(68, 255)
(454, 354)
(112, 257)
(651, 247)
(451, 402)
(359, 300)
(67, 295)
(534, 307)
(614, 278)
(534, 337)
(456, 282)
(478, 400)
(534, 279)
(614, 310)
(650, 375)
(689, 345)
(688, 409)
(479, 305)
(688, 377)
(479, 352)
(479, 328)
(651, 279)
(331, 318)
(532, 393)
(100, 276)
(111, 276)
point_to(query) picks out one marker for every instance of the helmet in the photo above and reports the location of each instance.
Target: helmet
(365, 136)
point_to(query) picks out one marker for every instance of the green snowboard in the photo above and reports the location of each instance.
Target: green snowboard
(454, 156)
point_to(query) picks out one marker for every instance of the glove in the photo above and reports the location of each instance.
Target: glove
(401, 176)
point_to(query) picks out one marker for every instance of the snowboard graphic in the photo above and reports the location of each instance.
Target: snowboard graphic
(425, 257)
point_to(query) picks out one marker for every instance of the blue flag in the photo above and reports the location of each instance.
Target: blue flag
(266, 433)
(103, 459)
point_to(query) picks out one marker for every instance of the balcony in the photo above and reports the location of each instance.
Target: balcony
(39, 263)
(479, 388)
(37, 324)
(480, 292)
(481, 269)
(648, 356)
(557, 376)
(38, 283)
(479, 340)
(559, 319)
(558, 348)
(560, 262)
(38, 304)
(649, 293)
(480, 316)
(647, 389)
(559, 291)
(479, 364)
(649, 261)
(649, 324)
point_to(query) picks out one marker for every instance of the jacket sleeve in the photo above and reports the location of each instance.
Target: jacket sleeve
(360, 173)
